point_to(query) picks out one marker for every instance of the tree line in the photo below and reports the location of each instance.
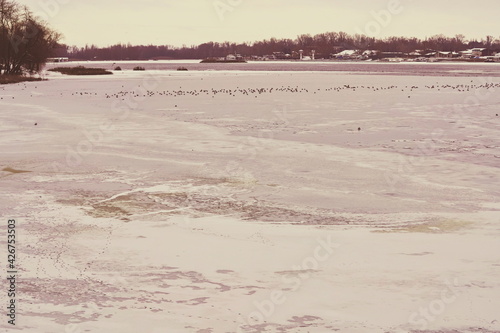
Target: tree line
(324, 44)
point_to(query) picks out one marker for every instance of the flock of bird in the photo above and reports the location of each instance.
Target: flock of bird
(260, 91)
(141, 92)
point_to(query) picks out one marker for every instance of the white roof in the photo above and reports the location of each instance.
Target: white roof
(347, 52)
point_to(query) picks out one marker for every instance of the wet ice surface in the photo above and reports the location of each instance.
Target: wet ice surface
(254, 202)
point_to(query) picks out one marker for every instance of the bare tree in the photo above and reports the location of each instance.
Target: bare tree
(489, 40)
(25, 41)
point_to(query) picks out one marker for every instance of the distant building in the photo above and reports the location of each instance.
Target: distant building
(59, 59)
(448, 54)
(478, 52)
(466, 54)
(231, 57)
(441, 54)
(389, 55)
(489, 52)
(415, 54)
(473, 53)
(369, 53)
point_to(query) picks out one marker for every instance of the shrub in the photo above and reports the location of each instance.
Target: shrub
(10, 79)
(80, 70)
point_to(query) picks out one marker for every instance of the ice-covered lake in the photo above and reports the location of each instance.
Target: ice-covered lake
(305, 200)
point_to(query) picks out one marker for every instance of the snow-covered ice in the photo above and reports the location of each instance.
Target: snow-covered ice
(254, 202)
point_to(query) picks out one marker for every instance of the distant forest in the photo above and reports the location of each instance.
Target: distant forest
(324, 44)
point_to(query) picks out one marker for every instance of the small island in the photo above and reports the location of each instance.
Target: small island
(80, 70)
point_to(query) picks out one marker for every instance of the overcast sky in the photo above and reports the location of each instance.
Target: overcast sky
(190, 22)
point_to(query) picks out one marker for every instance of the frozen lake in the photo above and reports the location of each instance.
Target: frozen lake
(306, 200)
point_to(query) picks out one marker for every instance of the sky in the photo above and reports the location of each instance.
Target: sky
(192, 22)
